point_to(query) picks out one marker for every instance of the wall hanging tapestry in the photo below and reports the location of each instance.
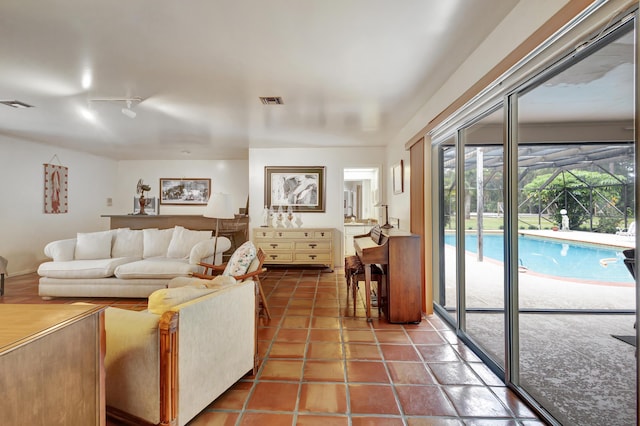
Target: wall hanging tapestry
(56, 199)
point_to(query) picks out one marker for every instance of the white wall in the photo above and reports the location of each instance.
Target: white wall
(523, 20)
(25, 229)
(228, 176)
(334, 159)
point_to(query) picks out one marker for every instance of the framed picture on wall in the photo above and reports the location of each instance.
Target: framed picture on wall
(184, 191)
(398, 178)
(301, 188)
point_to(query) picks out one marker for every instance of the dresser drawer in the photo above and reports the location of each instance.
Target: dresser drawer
(268, 246)
(275, 257)
(319, 257)
(294, 235)
(259, 234)
(313, 245)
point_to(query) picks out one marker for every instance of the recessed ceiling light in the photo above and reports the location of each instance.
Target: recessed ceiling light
(271, 100)
(16, 104)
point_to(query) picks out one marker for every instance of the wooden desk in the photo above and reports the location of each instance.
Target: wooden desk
(52, 365)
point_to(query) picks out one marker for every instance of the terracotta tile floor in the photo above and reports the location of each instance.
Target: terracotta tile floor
(320, 365)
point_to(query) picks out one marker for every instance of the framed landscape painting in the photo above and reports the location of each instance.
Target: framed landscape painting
(184, 191)
(301, 188)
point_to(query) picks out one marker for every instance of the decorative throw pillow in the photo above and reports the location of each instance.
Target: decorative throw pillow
(127, 243)
(93, 245)
(183, 241)
(160, 301)
(156, 242)
(240, 260)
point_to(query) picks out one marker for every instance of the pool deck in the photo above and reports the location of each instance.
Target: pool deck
(611, 240)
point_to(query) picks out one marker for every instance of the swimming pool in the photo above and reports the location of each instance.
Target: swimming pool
(555, 257)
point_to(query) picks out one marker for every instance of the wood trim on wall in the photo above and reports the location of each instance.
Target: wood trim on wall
(572, 9)
(417, 196)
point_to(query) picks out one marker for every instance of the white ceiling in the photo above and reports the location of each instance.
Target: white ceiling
(350, 72)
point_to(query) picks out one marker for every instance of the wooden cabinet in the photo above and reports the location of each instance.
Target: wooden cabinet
(351, 230)
(52, 365)
(298, 246)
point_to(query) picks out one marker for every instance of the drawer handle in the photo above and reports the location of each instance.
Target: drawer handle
(322, 233)
(264, 234)
(273, 256)
(312, 256)
(306, 234)
(273, 245)
(280, 234)
(313, 245)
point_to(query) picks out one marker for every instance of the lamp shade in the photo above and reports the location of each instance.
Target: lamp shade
(219, 206)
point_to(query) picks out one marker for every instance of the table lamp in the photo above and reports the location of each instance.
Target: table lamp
(218, 207)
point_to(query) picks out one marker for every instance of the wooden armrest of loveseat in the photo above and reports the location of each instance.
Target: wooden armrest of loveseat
(168, 335)
(237, 277)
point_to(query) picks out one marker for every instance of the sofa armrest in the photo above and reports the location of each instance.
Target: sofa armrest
(132, 363)
(204, 250)
(217, 345)
(61, 250)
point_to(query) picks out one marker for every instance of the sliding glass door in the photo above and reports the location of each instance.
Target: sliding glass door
(537, 211)
(484, 236)
(575, 131)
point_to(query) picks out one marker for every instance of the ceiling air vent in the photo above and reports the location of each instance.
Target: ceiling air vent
(16, 104)
(271, 100)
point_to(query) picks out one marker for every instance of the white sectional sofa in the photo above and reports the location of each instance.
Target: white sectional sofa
(125, 262)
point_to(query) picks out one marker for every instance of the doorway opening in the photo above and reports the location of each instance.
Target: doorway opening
(361, 194)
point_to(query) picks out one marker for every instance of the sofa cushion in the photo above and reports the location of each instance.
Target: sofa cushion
(241, 260)
(204, 249)
(156, 242)
(93, 245)
(183, 240)
(154, 268)
(100, 268)
(127, 243)
(162, 300)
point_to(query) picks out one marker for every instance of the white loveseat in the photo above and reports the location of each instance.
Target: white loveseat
(124, 262)
(168, 363)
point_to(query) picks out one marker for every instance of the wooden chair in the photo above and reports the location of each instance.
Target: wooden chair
(354, 272)
(211, 271)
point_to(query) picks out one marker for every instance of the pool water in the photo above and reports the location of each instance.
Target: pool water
(558, 258)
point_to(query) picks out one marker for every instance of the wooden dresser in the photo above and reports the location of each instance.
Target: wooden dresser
(296, 246)
(52, 365)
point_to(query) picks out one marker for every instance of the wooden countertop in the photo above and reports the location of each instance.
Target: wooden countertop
(21, 323)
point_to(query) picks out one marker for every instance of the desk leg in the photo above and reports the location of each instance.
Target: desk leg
(367, 289)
